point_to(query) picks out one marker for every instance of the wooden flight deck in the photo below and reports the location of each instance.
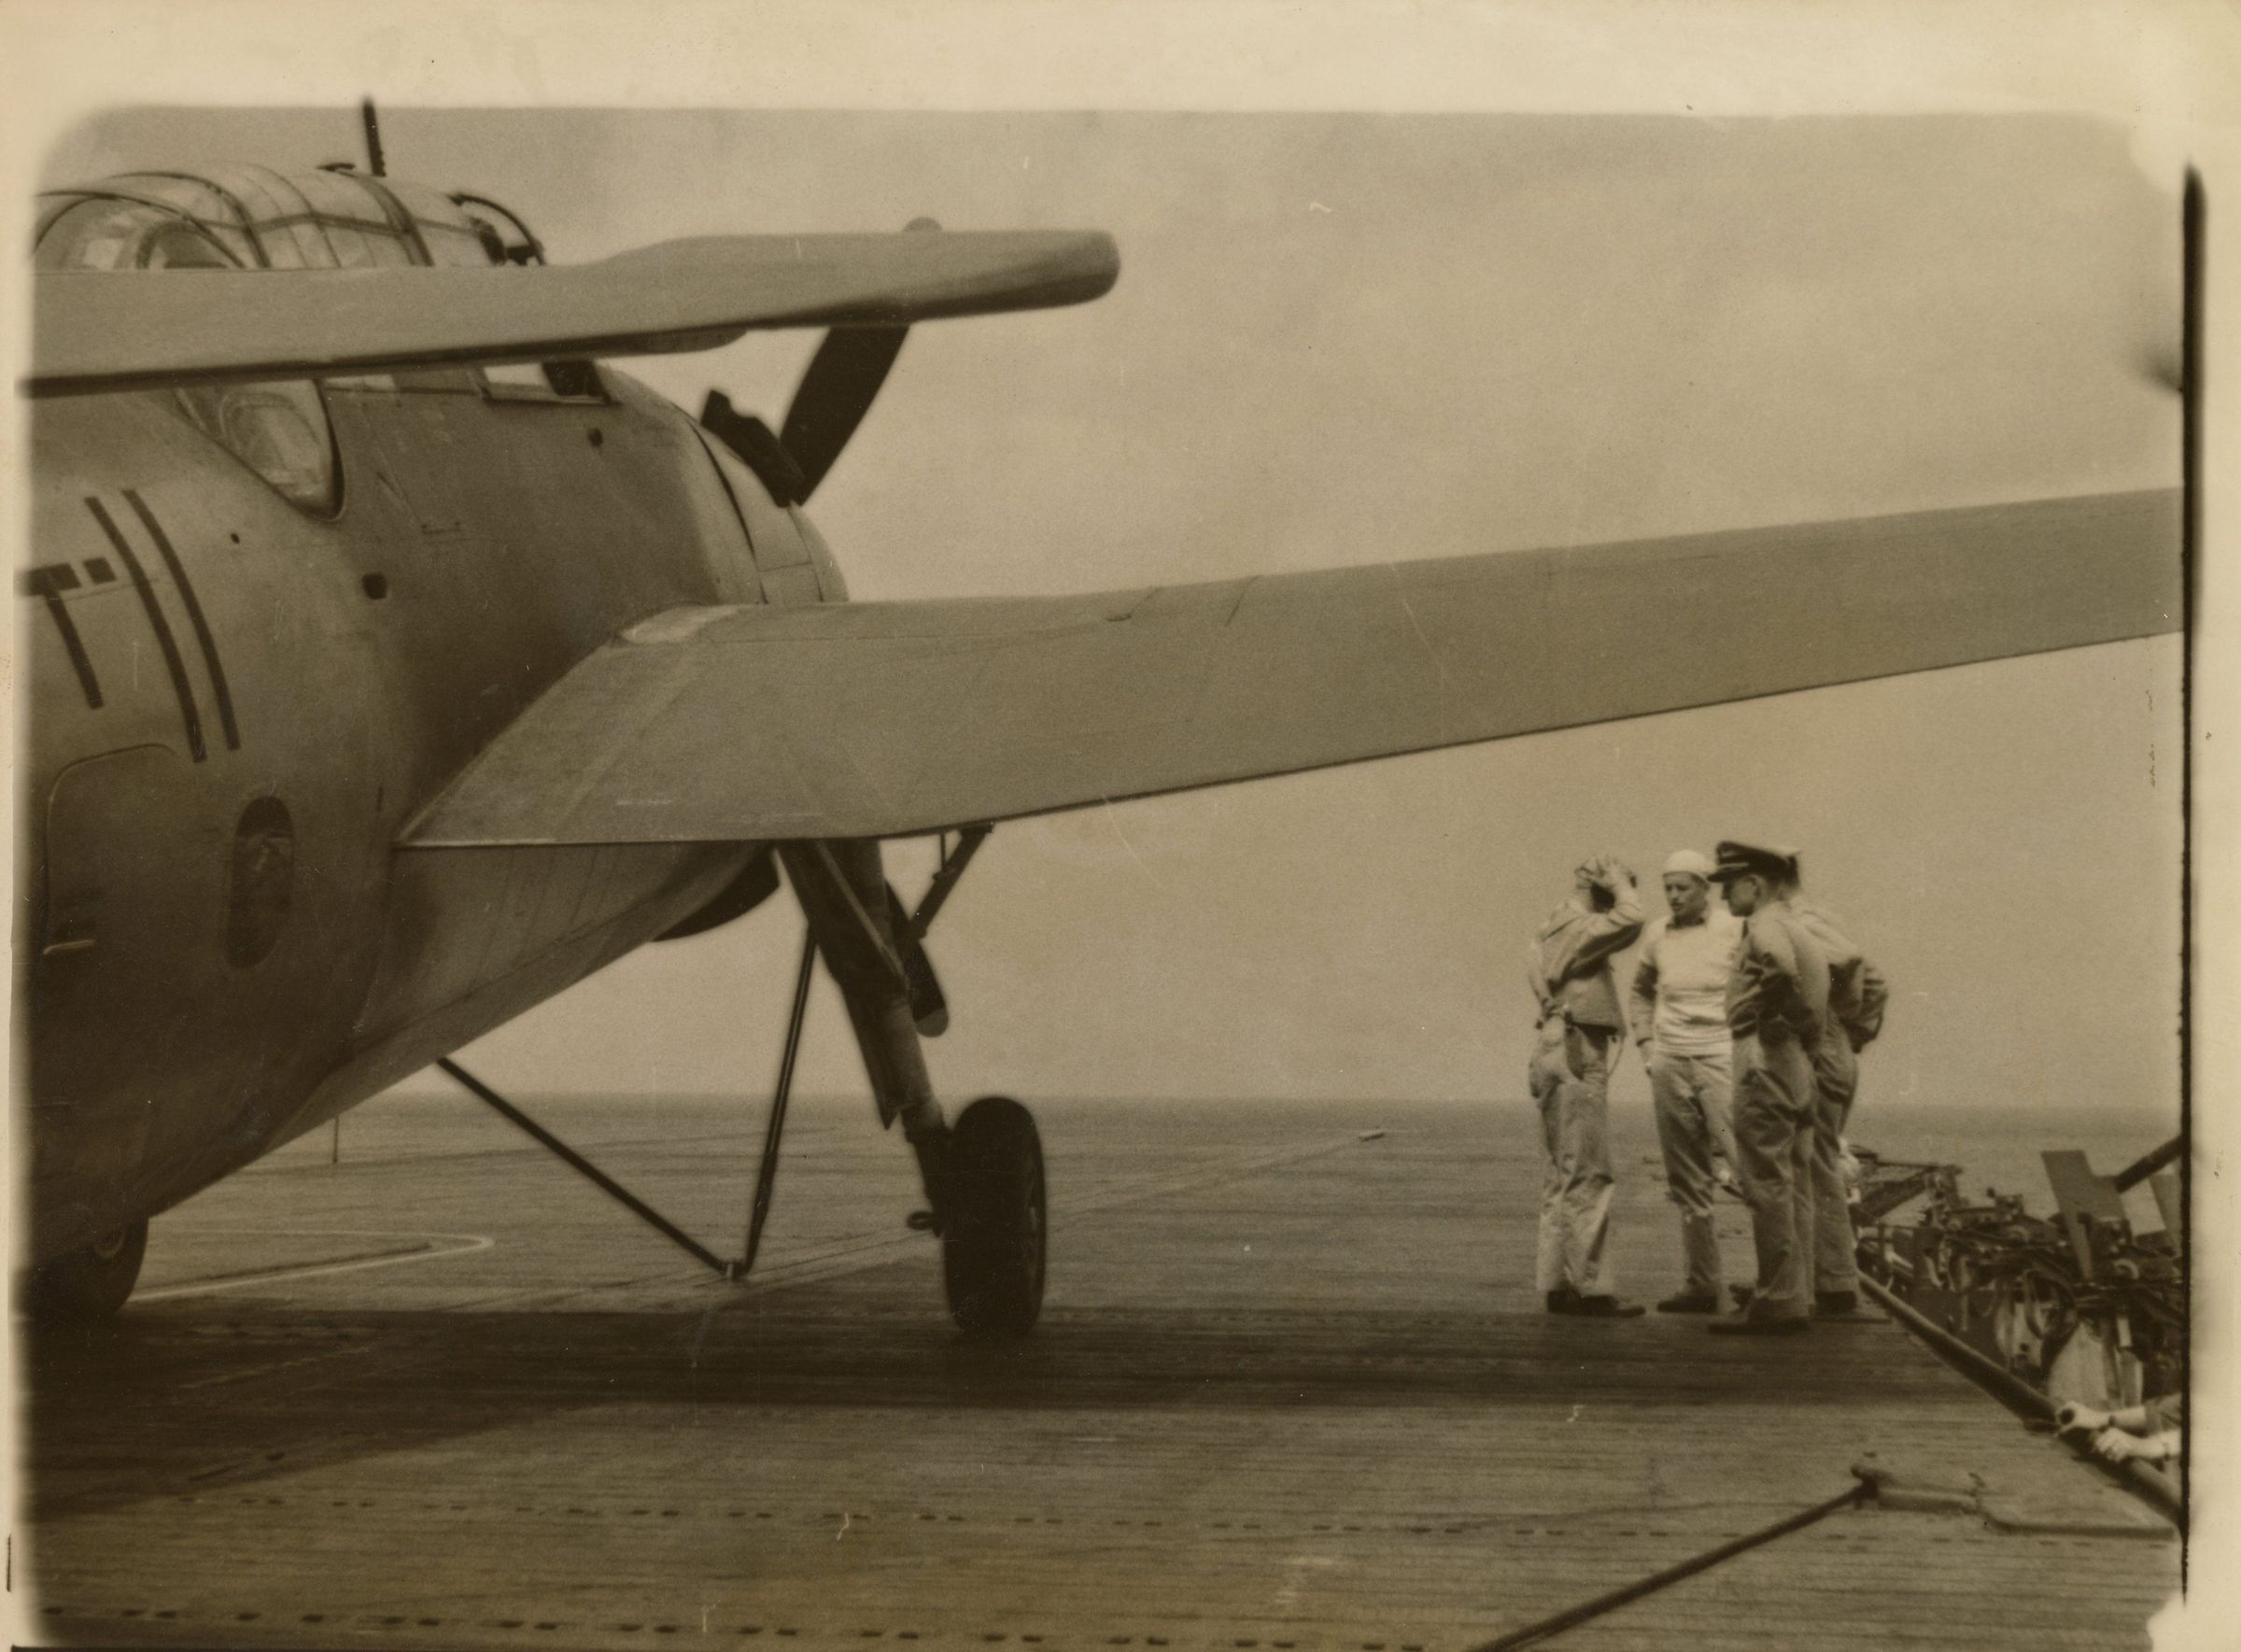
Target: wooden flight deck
(1290, 1393)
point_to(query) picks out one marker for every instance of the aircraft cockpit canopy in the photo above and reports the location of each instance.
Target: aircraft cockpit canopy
(253, 218)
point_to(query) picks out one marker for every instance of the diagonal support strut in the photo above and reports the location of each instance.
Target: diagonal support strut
(954, 863)
(577, 1162)
(766, 1175)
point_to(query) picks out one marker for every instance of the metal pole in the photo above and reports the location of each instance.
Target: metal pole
(945, 878)
(373, 159)
(576, 1161)
(766, 1176)
(2140, 1170)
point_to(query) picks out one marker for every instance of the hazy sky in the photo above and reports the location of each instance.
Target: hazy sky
(1353, 338)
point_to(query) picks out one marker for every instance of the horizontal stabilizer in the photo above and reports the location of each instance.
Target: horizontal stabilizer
(888, 718)
(121, 330)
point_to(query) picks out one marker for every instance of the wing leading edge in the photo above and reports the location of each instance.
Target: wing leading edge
(885, 719)
(124, 330)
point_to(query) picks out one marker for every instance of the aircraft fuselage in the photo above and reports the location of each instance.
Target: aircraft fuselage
(237, 703)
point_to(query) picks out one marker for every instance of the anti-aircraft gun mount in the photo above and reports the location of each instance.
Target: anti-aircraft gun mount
(2080, 1306)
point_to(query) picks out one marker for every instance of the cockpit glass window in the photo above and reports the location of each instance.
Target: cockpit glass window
(178, 246)
(99, 235)
(278, 429)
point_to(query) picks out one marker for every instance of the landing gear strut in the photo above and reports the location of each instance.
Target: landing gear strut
(90, 1282)
(984, 1176)
(993, 1248)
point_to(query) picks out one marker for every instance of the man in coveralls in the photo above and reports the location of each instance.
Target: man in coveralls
(1777, 1007)
(1568, 966)
(1857, 996)
(1680, 1015)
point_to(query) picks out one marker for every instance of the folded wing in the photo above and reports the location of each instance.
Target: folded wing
(139, 328)
(881, 719)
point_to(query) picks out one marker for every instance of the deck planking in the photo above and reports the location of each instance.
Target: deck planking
(1291, 1391)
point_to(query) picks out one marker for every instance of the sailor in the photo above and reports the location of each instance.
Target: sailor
(2152, 1432)
(1857, 996)
(1679, 1009)
(1777, 1006)
(1569, 968)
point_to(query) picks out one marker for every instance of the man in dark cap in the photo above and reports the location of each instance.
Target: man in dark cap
(1578, 1032)
(1777, 1010)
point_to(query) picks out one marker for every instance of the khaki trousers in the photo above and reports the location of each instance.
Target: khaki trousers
(1692, 1096)
(1836, 1082)
(1571, 1080)
(1774, 1135)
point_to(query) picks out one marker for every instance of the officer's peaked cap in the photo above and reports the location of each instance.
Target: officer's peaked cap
(1736, 860)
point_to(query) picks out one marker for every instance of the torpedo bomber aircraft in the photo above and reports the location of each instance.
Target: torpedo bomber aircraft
(393, 661)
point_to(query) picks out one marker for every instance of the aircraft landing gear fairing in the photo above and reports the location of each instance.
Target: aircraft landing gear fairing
(89, 1283)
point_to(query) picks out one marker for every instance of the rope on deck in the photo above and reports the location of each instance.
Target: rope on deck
(1533, 1634)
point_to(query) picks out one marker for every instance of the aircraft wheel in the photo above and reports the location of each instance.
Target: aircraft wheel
(991, 1256)
(90, 1282)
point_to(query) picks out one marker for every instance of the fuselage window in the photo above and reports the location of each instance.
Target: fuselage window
(278, 429)
(543, 381)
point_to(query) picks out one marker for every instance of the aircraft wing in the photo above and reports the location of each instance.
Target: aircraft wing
(888, 718)
(122, 330)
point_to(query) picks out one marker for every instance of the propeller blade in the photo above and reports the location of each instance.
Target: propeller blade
(836, 393)
(844, 377)
(750, 439)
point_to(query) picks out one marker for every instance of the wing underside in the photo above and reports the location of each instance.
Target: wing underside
(887, 719)
(121, 330)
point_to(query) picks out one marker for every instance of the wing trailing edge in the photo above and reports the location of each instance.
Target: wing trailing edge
(890, 719)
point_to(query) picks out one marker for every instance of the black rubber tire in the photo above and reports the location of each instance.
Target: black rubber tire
(90, 1282)
(993, 1249)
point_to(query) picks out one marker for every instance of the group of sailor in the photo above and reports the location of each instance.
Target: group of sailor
(1750, 1022)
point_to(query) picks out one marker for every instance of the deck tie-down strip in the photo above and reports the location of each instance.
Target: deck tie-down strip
(1863, 1489)
(1048, 1641)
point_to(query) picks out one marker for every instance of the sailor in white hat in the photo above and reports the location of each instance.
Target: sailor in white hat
(1679, 1011)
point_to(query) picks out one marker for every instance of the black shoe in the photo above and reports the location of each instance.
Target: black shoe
(1750, 1324)
(1742, 1294)
(1688, 1304)
(1564, 1300)
(1835, 1303)
(1607, 1307)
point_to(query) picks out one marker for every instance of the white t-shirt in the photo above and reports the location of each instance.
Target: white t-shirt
(1681, 985)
